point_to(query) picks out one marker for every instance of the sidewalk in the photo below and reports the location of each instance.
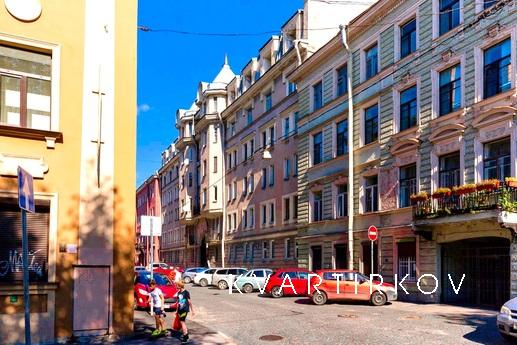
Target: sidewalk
(144, 325)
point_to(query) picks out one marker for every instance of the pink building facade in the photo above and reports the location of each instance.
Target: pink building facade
(148, 203)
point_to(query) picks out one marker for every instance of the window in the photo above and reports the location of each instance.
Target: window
(216, 131)
(371, 61)
(407, 184)
(286, 127)
(229, 225)
(287, 248)
(342, 138)
(271, 213)
(291, 88)
(371, 194)
(488, 3)
(295, 165)
(245, 186)
(252, 148)
(497, 159)
(234, 190)
(408, 108)
(271, 175)
(287, 209)
(371, 124)
(204, 167)
(234, 221)
(497, 69)
(264, 214)
(215, 164)
(245, 151)
(264, 139)
(25, 88)
(272, 249)
(317, 98)
(265, 247)
(215, 193)
(342, 201)
(272, 137)
(249, 116)
(251, 182)
(449, 170)
(204, 196)
(252, 217)
(317, 148)
(245, 219)
(295, 120)
(407, 38)
(342, 80)
(264, 178)
(295, 207)
(317, 206)
(449, 15)
(287, 168)
(407, 260)
(450, 90)
(268, 101)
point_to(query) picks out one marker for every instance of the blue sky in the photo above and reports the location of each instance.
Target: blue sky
(171, 65)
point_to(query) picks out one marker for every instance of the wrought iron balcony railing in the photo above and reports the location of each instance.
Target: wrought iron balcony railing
(504, 198)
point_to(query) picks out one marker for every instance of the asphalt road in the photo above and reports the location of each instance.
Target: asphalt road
(254, 319)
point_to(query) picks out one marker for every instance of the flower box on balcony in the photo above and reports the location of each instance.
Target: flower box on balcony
(465, 189)
(441, 192)
(420, 196)
(511, 182)
(488, 185)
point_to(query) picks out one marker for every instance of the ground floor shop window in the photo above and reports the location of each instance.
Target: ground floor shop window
(407, 260)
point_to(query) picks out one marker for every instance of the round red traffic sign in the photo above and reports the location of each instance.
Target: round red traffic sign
(373, 233)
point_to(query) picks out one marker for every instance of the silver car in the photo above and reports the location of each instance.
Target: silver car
(221, 277)
(190, 273)
(507, 319)
(255, 279)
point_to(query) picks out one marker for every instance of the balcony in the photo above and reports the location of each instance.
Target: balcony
(184, 141)
(482, 201)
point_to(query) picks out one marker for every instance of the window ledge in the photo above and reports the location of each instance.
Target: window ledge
(449, 34)
(32, 134)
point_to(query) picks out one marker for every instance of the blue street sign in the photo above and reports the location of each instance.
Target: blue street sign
(25, 191)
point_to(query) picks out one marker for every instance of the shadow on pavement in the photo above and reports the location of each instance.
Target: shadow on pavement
(485, 327)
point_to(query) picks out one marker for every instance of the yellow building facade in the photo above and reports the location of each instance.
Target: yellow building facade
(68, 116)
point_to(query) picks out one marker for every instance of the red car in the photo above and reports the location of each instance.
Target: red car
(299, 279)
(351, 285)
(142, 290)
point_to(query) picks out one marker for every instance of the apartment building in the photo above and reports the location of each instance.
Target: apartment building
(68, 117)
(172, 241)
(434, 97)
(148, 203)
(261, 158)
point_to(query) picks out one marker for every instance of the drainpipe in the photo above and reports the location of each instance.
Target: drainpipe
(344, 39)
(223, 189)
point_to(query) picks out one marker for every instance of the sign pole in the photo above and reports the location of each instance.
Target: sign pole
(371, 258)
(152, 260)
(26, 297)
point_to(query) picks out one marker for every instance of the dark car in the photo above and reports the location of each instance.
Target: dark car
(142, 289)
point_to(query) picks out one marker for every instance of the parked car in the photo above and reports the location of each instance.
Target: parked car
(204, 278)
(158, 265)
(221, 277)
(255, 279)
(139, 268)
(299, 278)
(142, 289)
(190, 273)
(507, 320)
(352, 286)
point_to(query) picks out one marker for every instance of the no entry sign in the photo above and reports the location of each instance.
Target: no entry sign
(373, 233)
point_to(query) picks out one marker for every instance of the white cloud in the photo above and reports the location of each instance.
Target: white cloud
(143, 108)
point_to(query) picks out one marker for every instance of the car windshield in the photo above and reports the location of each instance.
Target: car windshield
(209, 271)
(197, 270)
(145, 278)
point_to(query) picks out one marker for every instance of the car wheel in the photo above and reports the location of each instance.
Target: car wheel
(222, 284)
(187, 280)
(319, 298)
(203, 282)
(247, 288)
(378, 298)
(276, 292)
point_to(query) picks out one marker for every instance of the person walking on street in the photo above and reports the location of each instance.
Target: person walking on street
(184, 307)
(156, 296)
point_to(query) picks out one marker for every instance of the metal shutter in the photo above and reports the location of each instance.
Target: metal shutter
(11, 263)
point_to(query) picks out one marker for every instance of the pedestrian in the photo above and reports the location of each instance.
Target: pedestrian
(158, 301)
(184, 307)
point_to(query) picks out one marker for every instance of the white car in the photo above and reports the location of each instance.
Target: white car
(204, 278)
(507, 319)
(158, 265)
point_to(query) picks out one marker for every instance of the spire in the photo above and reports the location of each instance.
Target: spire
(225, 59)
